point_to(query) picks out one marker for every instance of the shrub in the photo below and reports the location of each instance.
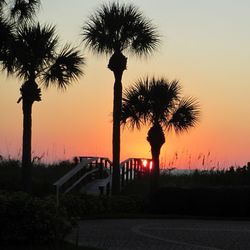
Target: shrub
(127, 204)
(82, 206)
(31, 220)
(43, 176)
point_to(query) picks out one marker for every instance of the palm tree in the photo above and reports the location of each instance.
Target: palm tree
(113, 29)
(158, 103)
(33, 56)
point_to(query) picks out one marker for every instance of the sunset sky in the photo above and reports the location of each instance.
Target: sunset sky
(205, 45)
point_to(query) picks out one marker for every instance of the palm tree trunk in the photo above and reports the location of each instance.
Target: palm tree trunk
(156, 138)
(117, 106)
(26, 150)
(154, 180)
(117, 64)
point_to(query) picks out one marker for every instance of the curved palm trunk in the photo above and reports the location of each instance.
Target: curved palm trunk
(156, 139)
(117, 64)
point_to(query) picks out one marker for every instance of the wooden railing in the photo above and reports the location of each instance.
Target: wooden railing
(91, 168)
(133, 168)
(85, 171)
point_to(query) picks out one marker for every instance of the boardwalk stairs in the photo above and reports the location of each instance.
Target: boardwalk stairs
(93, 175)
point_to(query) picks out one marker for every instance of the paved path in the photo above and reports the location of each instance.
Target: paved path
(164, 234)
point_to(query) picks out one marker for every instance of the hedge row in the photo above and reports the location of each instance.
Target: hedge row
(26, 219)
(202, 201)
(82, 206)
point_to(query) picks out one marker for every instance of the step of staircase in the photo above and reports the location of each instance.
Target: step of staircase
(98, 186)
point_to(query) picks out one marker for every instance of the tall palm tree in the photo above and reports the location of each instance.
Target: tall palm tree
(33, 56)
(158, 103)
(113, 29)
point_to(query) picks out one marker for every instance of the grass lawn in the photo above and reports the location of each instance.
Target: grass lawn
(66, 246)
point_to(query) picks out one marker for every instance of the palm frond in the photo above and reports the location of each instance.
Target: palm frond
(146, 40)
(24, 10)
(2, 4)
(65, 69)
(34, 48)
(157, 101)
(6, 34)
(185, 116)
(131, 117)
(118, 27)
(135, 104)
(162, 96)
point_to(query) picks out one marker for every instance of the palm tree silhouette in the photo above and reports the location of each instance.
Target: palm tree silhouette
(158, 103)
(113, 29)
(33, 56)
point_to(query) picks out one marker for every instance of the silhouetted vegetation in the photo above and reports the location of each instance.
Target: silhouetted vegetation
(233, 176)
(205, 193)
(222, 193)
(202, 201)
(88, 206)
(31, 220)
(43, 176)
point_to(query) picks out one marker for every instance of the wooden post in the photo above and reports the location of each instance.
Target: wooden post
(131, 170)
(127, 171)
(122, 176)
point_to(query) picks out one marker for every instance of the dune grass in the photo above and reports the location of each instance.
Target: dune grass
(43, 176)
(231, 177)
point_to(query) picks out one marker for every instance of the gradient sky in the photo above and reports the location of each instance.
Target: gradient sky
(205, 44)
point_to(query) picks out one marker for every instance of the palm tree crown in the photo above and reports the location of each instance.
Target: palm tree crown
(119, 27)
(158, 101)
(34, 55)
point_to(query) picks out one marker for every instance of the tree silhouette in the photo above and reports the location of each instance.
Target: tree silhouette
(33, 56)
(158, 103)
(114, 29)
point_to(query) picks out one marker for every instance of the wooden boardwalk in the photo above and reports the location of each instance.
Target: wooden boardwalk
(93, 175)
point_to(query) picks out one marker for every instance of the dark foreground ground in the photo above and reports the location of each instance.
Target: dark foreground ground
(164, 234)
